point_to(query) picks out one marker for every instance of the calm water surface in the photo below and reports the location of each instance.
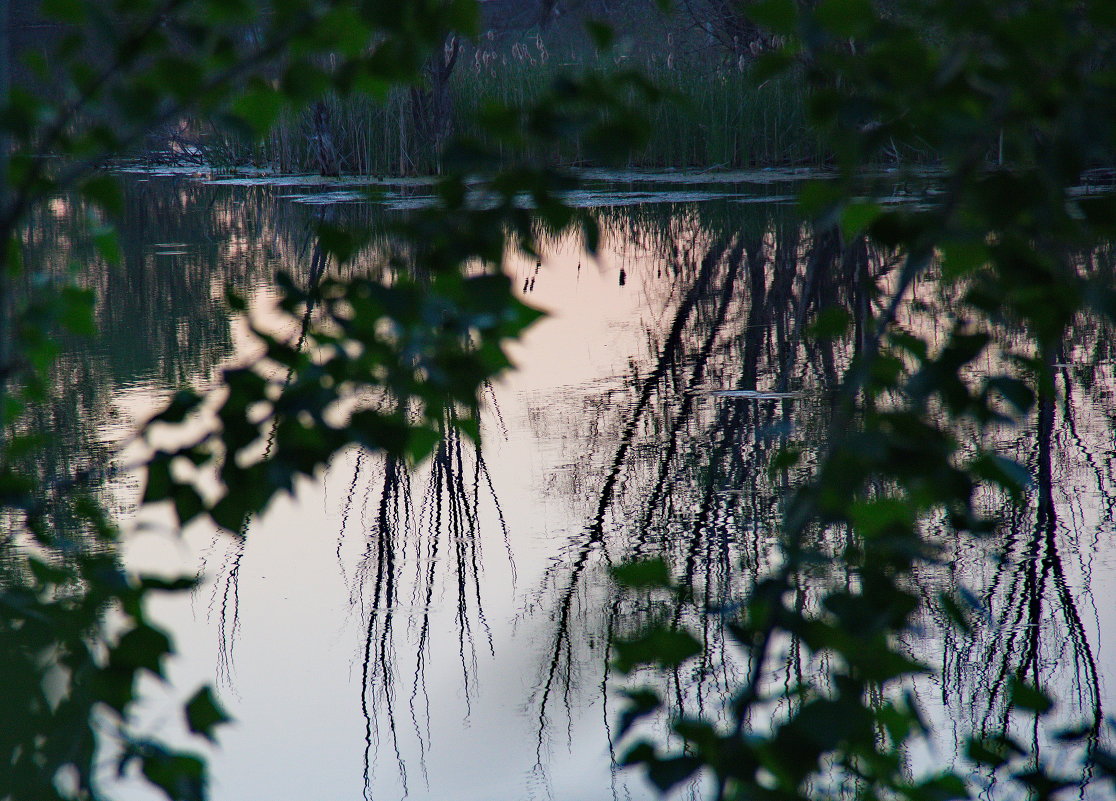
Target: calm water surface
(445, 633)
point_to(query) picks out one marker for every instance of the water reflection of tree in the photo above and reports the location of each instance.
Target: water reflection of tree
(225, 599)
(161, 317)
(413, 554)
(688, 477)
(689, 481)
(676, 472)
(1031, 584)
(163, 322)
(414, 545)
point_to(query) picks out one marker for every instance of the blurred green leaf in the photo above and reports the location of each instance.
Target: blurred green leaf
(259, 107)
(1029, 697)
(204, 713)
(659, 645)
(601, 33)
(857, 217)
(181, 777)
(1007, 473)
(641, 703)
(647, 574)
(831, 323)
(780, 16)
(181, 405)
(141, 647)
(845, 17)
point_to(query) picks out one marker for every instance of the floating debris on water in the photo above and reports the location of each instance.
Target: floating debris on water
(165, 170)
(310, 181)
(769, 175)
(766, 199)
(750, 394)
(580, 199)
(327, 198)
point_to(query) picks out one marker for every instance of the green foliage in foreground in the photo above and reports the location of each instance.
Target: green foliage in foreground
(1002, 93)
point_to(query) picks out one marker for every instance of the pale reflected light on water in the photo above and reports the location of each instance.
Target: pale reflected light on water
(444, 633)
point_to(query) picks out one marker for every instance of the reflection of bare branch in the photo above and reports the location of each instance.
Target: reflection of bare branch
(695, 487)
(440, 538)
(386, 539)
(228, 585)
(1033, 630)
(691, 476)
(594, 535)
(228, 620)
(686, 477)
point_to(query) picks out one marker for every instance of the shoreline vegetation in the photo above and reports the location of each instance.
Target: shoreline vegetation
(717, 121)
(721, 108)
(717, 117)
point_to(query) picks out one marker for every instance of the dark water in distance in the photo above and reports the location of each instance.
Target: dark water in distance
(445, 633)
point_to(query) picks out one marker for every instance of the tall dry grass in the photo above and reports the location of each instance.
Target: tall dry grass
(715, 116)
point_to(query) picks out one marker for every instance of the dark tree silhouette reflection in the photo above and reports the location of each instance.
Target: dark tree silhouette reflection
(688, 477)
(1035, 616)
(733, 378)
(434, 538)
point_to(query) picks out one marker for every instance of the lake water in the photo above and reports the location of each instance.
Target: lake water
(444, 634)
